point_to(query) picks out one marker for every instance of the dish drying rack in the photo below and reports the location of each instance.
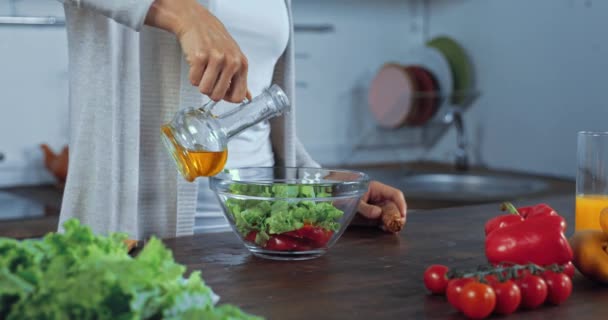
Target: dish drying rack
(368, 135)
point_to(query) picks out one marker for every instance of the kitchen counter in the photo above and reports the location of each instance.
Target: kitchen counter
(29, 212)
(45, 201)
(369, 274)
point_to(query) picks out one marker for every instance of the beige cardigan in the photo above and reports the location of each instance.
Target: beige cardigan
(127, 79)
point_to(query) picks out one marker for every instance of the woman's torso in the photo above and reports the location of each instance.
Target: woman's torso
(261, 30)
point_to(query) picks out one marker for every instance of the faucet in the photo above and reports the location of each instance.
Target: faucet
(461, 161)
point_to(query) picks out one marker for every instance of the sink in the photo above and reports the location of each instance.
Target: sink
(467, 187)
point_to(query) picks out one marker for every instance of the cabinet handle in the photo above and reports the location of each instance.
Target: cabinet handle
(314, 28)
(32, 21)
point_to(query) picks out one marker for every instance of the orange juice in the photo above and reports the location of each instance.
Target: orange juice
(195, 163)
(588, 208)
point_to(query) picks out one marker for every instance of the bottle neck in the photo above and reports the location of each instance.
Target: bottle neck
(271, 103)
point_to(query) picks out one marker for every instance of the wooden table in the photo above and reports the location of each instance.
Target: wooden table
(369, 274)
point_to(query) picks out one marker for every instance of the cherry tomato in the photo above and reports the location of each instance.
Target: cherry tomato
(569, 269)
(508, 297)
(454, 289)
(491, 279)
(559, 287)
(522, 273)
(477, 300)
(435, 280)
(533, 291)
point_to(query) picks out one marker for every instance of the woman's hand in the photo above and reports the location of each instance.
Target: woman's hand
(217, 66)
(373, 202)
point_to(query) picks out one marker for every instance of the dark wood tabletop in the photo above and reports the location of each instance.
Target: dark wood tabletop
(369, 274)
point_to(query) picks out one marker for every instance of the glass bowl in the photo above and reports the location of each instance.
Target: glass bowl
(289, 213)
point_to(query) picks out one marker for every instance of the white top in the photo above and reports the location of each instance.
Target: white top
(262, 33)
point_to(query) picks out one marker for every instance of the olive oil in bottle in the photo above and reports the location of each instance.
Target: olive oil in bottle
(197, 139)
(194, 163)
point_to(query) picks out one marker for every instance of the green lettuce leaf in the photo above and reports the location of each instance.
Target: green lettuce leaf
(78, 275)
(274, 217)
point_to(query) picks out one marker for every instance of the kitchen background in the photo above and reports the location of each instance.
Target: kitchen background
(541, 69)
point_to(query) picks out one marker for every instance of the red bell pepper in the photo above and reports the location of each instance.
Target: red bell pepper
(540, 209)
(538, 237)
(517, 215)
(502, 221)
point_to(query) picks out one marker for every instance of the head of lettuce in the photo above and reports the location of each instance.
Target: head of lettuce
(78, 275)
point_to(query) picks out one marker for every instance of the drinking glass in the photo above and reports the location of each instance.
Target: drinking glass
(591, 179)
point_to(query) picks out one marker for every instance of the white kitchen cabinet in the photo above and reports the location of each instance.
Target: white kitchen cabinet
(33, 92)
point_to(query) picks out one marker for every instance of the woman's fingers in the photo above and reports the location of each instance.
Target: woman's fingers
(196, 70)
(223, 84)
(238, 90)
(369, 211)
(379, 193)
(211, 75)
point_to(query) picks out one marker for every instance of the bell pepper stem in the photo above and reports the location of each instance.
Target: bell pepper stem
(509, 207)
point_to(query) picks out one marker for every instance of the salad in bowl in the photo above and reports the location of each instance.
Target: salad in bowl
(289, 213)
